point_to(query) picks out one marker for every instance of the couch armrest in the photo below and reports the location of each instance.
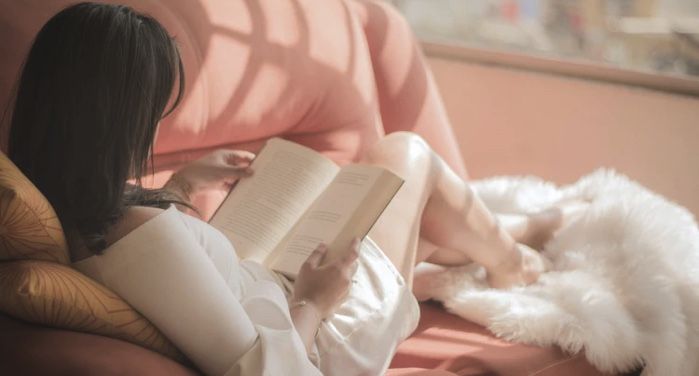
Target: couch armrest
(27, 349)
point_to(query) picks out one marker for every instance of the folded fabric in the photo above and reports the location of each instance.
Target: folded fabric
(624, 285)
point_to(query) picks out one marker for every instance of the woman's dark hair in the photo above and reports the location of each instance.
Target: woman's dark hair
(93, 88)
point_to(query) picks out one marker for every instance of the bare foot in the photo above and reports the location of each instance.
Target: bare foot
(521, 270)
(541, 226)
(525, 266)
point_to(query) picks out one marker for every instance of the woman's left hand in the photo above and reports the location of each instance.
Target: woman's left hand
(215, 171)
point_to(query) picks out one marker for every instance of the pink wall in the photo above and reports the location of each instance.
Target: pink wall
(512, 122)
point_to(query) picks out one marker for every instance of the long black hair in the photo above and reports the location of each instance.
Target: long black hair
(92, 91)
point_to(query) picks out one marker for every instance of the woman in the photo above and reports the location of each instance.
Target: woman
(96, 83)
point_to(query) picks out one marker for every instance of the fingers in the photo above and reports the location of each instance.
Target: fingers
(230, 174)
(236, 157)
(349, 261)
(317, 255)
(236, 171)
(236, 165)
(353, 252)
(353, 268)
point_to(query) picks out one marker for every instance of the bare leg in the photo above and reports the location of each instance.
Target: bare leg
(407, 94)
(440, 206)
(532, 230)
(410, 101)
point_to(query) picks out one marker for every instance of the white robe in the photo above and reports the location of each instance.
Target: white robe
(231, 317)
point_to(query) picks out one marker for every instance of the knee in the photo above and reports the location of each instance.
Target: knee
(401, 148)
(378, 17)
(404, 140)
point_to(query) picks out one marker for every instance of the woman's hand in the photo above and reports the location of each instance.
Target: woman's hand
(326, 286)
(215, 171)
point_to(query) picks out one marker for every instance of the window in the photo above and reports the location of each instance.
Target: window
(646, 35)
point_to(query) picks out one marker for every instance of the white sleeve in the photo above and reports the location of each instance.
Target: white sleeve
(163, 272)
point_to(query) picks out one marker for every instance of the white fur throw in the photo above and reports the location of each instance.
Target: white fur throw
(624, 286)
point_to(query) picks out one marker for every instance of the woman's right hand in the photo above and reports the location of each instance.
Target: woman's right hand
(326, 286)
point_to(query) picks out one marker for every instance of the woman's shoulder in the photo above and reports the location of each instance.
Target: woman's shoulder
(133, 218)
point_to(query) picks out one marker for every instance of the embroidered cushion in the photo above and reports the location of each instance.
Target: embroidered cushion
(29, 228)
(38, 286)
(56, 295)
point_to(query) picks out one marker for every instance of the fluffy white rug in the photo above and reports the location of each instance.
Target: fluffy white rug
(624, 286)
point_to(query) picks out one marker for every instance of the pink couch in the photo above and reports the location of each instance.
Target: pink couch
(331, 74)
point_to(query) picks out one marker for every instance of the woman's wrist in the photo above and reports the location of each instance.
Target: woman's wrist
(306, 318)
(307, 306)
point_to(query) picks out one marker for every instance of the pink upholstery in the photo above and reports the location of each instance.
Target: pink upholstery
(331, 74)
(444, 341)
(33, 350)
(256, 69)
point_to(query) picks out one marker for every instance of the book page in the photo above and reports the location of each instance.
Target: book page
(261, 209)
(345, 210)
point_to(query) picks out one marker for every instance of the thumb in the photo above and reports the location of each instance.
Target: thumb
(239, 156)
(235, 171)
(317, 255)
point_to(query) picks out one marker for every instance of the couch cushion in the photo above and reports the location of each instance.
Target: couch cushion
(448, 342)
(254, 69)
(36, 350)
(29, 228)
(56, 295)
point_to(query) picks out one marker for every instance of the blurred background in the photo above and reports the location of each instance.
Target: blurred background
(648, 35)
(559, 88)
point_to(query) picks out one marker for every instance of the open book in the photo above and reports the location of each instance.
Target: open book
(297, 199)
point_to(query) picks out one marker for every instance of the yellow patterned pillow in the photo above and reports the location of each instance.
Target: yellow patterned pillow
(56, 295)
(29, 228)
(36, 288)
